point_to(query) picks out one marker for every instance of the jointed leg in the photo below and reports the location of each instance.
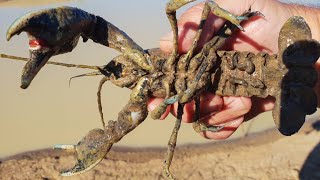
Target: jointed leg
(161, 108)
(172, 144)
(182, 96)
(209, 55)
(122, 83)
(103, 80)
(210, 6)
(171, 8)
(209, 52)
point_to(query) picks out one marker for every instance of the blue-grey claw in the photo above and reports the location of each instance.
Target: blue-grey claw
(51, 32)
(172, 100)
(214, 128)
(242, 18)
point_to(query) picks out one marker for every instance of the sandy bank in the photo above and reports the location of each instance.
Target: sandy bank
(266, 155)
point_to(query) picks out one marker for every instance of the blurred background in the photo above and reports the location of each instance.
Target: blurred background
(50, 112)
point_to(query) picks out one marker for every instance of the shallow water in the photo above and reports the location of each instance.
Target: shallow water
(50, 112)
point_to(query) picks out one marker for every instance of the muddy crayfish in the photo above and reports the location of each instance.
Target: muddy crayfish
(288, 76)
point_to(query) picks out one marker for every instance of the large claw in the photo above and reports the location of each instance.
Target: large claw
(89, 152)
(51, 32)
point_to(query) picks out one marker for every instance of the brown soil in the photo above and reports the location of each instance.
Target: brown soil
(266, 155)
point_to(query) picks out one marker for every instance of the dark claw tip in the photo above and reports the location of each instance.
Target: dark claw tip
(24, 86)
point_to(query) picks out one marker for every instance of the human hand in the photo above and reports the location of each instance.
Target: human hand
(261, 34)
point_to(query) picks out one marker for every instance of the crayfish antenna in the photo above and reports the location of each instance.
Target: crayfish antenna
(103, 80)
(79, 66)
(96, 73)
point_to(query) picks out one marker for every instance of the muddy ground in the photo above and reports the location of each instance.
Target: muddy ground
(266, 155)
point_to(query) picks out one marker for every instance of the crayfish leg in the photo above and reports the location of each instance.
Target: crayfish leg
(172, 144)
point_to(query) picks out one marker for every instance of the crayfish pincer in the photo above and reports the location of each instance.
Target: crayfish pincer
(288, 76)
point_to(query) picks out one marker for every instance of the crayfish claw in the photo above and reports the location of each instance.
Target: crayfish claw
(79, 168)
(51, 32)
(54, 26)
(89, 152)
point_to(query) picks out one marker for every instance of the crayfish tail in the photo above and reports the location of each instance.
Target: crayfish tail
(297, 56)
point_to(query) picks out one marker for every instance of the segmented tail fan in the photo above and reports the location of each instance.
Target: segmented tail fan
(297, 55)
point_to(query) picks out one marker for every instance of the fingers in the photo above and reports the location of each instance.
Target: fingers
(259, 105)
(231, 115)
(233, 107)
(214, 110)
(209, 105)
(226, 132)
(154, 102)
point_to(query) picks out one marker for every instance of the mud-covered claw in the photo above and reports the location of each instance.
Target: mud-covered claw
(38, 58)
(79, 168)
(51, 32)
(200, 127)
(249, 14)
(54, 26)
(218, 11)
(89, 152)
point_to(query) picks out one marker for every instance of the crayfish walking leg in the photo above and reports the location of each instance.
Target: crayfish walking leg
(171, 7)
(172, 144)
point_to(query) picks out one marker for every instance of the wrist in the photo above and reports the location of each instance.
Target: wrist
(312, 17)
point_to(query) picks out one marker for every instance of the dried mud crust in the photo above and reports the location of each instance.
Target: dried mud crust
(266, 155)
